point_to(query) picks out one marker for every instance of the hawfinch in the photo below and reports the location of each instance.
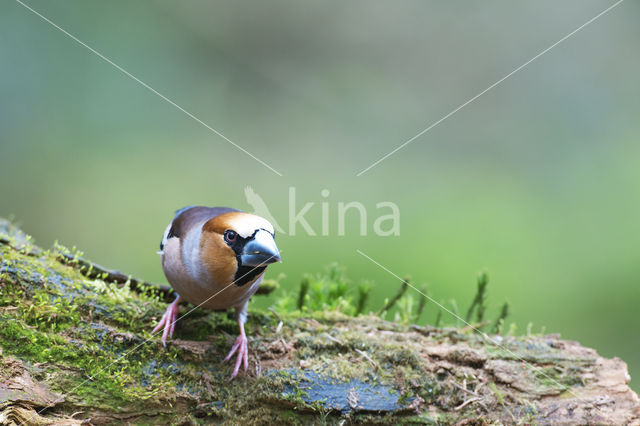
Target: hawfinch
(215, 257)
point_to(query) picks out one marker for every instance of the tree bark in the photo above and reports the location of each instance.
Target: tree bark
(75, 346)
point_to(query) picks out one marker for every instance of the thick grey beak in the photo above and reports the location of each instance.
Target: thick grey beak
(261, 250)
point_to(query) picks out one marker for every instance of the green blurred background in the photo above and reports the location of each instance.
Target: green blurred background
(538, 181)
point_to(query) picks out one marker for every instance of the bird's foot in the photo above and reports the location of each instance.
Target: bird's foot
(168, 321)
(242, 347)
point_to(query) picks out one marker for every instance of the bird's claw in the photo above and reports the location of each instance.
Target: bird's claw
(168, 320)
(241, 346)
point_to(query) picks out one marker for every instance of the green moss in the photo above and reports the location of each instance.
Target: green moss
(98, 374)
(558, 376)
(92, 340)
(46, 322)
(91, 336)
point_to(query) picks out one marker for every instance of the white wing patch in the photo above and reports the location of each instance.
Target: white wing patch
(164, 238)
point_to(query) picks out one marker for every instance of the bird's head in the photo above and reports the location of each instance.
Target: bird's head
(239, 239)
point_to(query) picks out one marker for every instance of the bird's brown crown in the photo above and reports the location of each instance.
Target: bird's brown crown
(245, 224)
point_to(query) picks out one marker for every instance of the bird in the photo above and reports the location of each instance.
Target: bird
(215, 258)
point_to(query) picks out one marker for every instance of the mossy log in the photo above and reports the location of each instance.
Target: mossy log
(76, 347)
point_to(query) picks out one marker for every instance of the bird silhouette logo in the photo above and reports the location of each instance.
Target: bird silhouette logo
(260, 208)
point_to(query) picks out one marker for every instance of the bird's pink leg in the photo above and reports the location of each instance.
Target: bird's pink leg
(168, 320)
(241, 345)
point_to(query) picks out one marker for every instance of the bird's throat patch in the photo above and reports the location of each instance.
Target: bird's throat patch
(246, 274)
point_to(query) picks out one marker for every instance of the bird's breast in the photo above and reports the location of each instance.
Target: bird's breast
(199, 285)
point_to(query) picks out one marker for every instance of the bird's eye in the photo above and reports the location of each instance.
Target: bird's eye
(230, 236)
